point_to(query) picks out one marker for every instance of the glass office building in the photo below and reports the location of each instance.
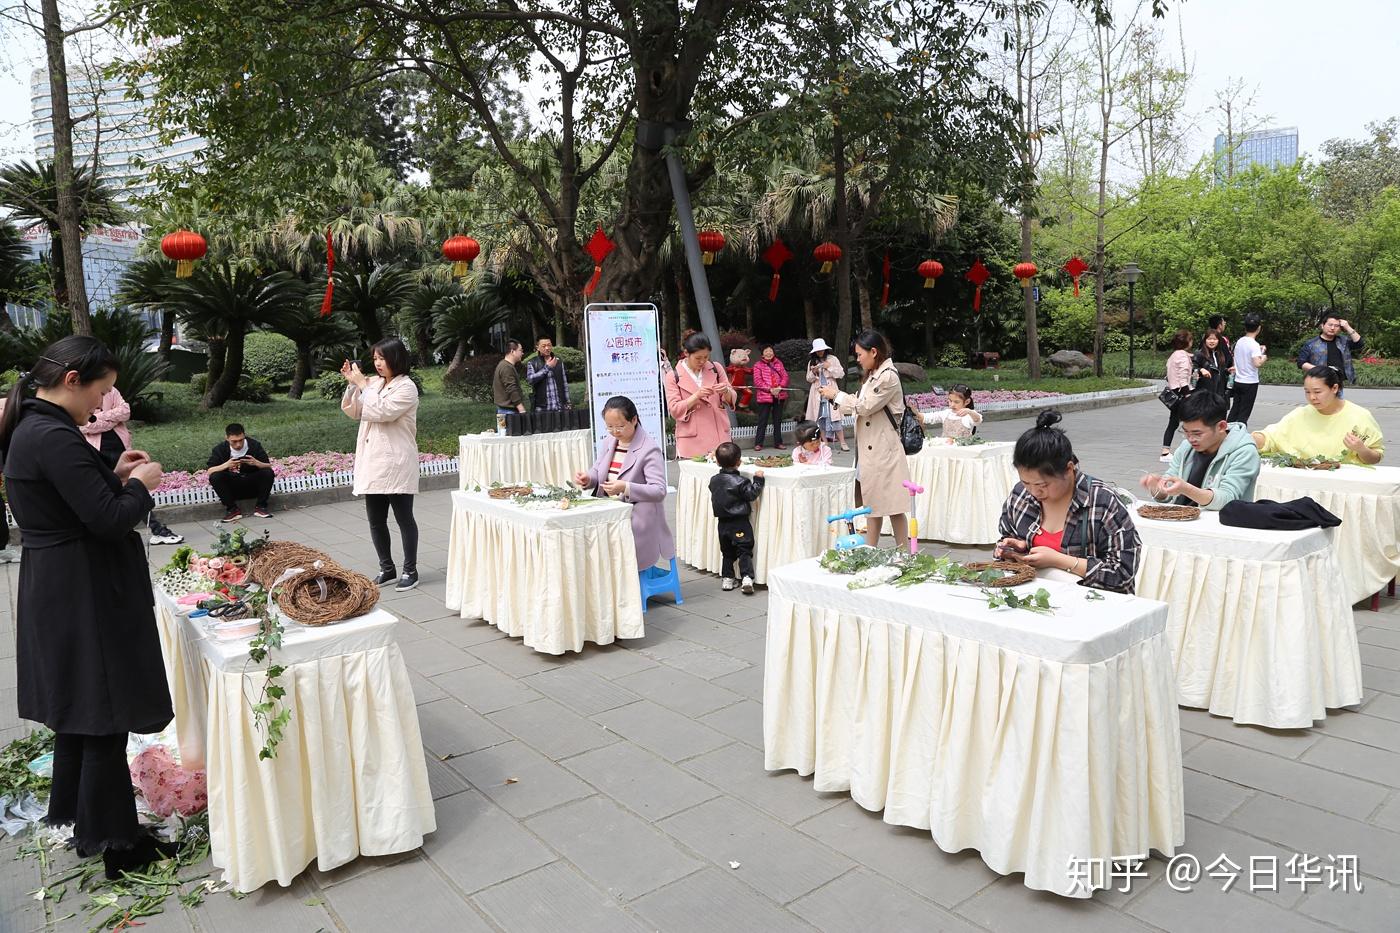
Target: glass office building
(1269, 148)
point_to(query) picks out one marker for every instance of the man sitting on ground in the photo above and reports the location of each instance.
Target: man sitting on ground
(1214, 465)
(239, 468)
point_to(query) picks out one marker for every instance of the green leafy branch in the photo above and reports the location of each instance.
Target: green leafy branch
(1038, 602)
(270, 714)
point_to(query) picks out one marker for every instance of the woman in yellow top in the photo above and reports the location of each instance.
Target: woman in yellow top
(1328, 426)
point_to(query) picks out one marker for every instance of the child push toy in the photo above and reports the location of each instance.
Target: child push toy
(850, 539)
(914, 490)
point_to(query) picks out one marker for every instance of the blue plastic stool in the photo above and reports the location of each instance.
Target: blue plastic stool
(656, 580)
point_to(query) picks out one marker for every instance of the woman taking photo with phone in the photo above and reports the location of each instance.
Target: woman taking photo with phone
(386, 453)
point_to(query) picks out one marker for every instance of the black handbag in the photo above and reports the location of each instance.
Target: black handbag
(1170, 397)
(910, 430)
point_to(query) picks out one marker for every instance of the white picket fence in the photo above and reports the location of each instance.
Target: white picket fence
(204, 495)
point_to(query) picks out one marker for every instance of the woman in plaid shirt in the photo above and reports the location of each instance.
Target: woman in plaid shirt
(1058, 516)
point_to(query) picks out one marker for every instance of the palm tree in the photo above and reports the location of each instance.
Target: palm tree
(371, 298)
(222, 302)
(416, 318)
(145, 285)
(315, 336)
(15, 269)
(31, 193)
(462, 322)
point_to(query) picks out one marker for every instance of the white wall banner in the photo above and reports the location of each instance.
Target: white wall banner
(624, 359)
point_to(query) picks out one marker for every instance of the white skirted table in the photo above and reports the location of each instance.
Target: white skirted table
(1367, 500)
(1259, 626)
(1036, 740)
(964, 489)
(556, 578)
(348, 777)
(539, 458)
(789, 519)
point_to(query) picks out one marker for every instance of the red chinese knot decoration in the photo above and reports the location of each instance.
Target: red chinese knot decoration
(1075, 268)
(885, 280)
(711, 242)
(330, 281)
(460, 251)
(1025, 271)
(828, 254)
(183, 246)
(930, 269)
(978, 276)
(598, 247)
(775, 255)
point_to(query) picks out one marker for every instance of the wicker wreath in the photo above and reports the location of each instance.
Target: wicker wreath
(509, 492)
(327, 594)
(772, 462)
(1322, 465)
(1170, 513)
(1017, 572)
(276, 557)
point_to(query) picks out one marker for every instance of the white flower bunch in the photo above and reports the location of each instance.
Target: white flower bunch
(874, 576)
(177, 583)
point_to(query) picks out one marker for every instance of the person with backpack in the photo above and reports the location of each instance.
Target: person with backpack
(881, 465)
(698, 397)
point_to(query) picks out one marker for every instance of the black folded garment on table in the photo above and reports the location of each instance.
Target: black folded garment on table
(1294, 515)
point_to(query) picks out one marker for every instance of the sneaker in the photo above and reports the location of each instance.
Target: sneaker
(163, 535)
(757, 447)
(727, 584)
(262, 511)
(386, 576)
(408, 581)
(232, 515)
(9, 555)
(1165, 458)
(748, 586)
(780, 447)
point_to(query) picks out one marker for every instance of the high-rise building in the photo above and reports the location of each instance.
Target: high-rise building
(1269, 148)
(115, 126)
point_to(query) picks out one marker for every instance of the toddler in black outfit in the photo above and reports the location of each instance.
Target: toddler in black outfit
(731, 495)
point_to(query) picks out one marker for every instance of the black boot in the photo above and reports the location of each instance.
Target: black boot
(146, 851)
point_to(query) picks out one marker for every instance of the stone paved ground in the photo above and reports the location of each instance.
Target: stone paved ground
(640, 778)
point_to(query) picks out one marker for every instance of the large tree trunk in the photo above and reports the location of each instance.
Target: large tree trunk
(843, 240)
(690, 318)
(867, 316)
(167, 335)
(809, 312)
(302, 372)
(221, 390)
(69, 220)
(459, 361)
(1032, 330)
(670, 315)
(1100, 251)
(215, 369)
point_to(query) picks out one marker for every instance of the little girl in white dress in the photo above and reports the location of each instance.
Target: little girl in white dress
(959, 419)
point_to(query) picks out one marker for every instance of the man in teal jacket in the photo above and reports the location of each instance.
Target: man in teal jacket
(1216, 464)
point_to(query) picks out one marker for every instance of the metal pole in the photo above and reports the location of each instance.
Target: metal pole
(1131, 328)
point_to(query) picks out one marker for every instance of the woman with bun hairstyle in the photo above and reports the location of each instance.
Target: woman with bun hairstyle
(87, 650)
(1059, 516)
(698, 397)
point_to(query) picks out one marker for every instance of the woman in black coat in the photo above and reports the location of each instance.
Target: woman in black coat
(89, 659)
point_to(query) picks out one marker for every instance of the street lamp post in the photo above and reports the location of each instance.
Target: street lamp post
(1130, 274)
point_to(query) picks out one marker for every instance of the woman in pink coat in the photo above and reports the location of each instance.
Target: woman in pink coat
(386, 453)
(770, 381)
(631, 467)
(698, 396)
(111, 416)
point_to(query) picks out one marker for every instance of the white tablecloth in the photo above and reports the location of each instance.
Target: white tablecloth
(1367, 500)
(789, 519)
(1035, 740)
(349, 777)
(964, 490)
(556, 578)
(537, 458)
(1259, 626)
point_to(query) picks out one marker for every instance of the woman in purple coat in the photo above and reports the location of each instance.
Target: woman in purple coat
(631, 467)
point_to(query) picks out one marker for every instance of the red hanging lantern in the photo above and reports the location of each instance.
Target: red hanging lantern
(828, 254)
(1025, 271)
(598, 247)
(930, 269)
(460, 251)
(978, 276)
(885, 280)
(775, 255)
(183, 246)
(330, 280)
(711, 242)
(1076, 267)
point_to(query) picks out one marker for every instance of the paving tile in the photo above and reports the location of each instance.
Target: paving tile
(1385, 706)
(19, 878)
(408, 894)
(583, 692)
(1211, 798)
(442, 780)
(422, 607)
(658, 729)
(432, 656)
(682, 692)
(449, 728)
(775, 860)
(1286, 743)
(738, 769)
(485, 689)
(1375, 910)
(1305, 829)
(551, 899)
(1388, 816)
(1209, 841)
(1363, 728)
(1012, 907)
(1377, 635)
(464, 633)
(621, 854)
(1378, 678)
(863, 900)
(364, 865)
(519, 778)
(1357, 760)
(743, 721)
(512, 656)
(703, 630)
(706, 663)
(719, 608)
(1376, 656)
(901, 853)
(551, 729)
(424, 690)
(294, 909)
(753, 651)
(1304, 783)
(748, 682)
(639, 780)
(466, 825)
(1206, 907)
(713, 900)
(616, 660)
(71, 917)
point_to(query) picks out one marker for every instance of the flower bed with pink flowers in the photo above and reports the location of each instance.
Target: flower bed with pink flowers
(925, 401)
(288, 468)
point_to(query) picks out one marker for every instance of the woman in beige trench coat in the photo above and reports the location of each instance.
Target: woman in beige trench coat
(881, 467)
(386, 453)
